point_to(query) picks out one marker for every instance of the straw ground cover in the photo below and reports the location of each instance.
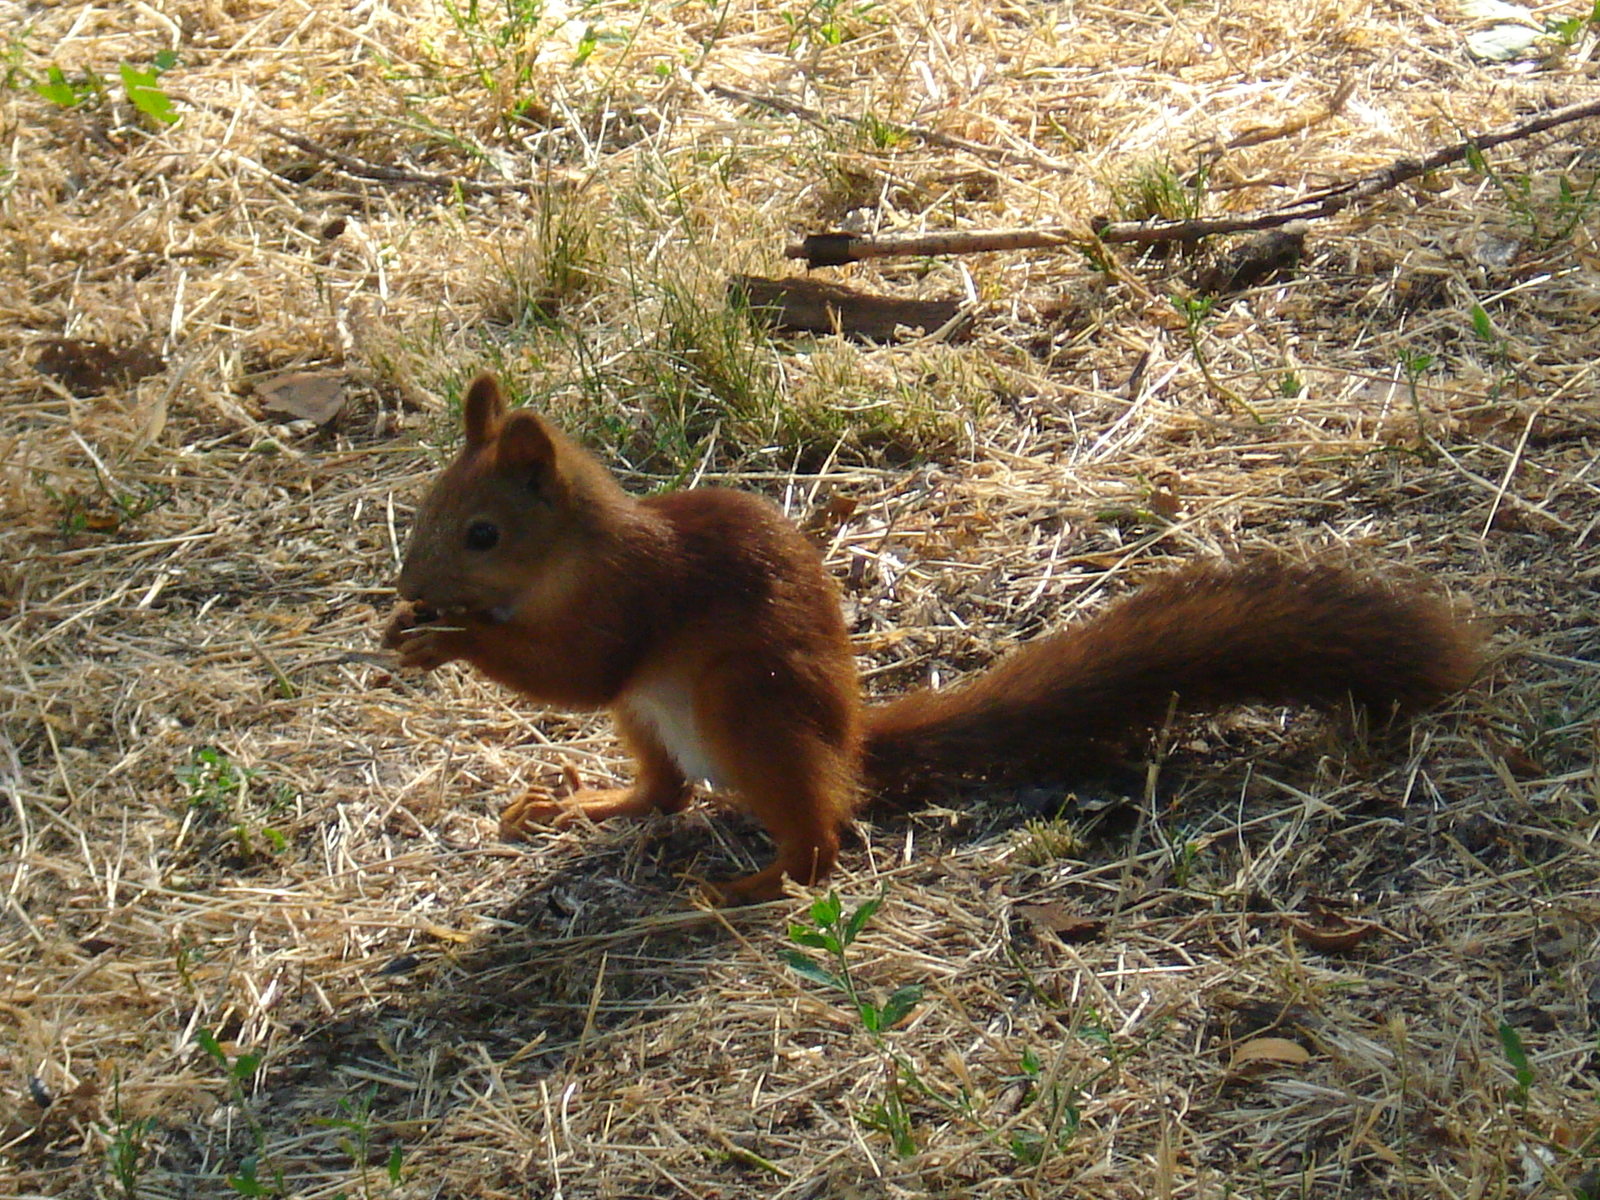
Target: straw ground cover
(259, 936)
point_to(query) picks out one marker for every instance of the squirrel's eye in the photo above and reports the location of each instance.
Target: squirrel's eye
(482, 535)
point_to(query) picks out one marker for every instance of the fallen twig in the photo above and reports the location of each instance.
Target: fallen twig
(835, 249)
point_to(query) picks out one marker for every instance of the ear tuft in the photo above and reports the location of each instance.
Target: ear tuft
(483, 410)
(525, 446)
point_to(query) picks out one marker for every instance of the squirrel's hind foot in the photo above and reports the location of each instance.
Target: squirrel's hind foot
(759, 888)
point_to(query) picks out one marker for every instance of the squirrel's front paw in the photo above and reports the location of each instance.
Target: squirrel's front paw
(533, 809)
(422, 643)
(537, 808)
(406, 617)
(427, 649)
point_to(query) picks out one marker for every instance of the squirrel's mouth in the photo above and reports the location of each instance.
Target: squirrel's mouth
(429, 614)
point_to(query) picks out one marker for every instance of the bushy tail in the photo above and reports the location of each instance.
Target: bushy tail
(1262, 630)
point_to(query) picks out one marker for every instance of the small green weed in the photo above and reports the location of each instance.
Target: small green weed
(881, 134)
(1565, 32)
(145, 94)
(261, 841)
(1483, 328)
(832, 931)
(355, 1120)
(824, 23)
(1548, 218)
(1522, 1070)
(125, 1153)
(1029, 1146)
(65, 92)
(1053, 1104)
(74, 511)
(502, 40)
(131, 506)
(103, 509)
(538, 277)
(1568, 31)
(1196, 311)
(1156, 191)
(240, 1071)
(139, 85)
(1042, 842)
(214, 780)
(1572, 207)
(1183, 856)
(126, 1145)
(219, 789)
(186, 956)
(1414, 364)
(891, 1117)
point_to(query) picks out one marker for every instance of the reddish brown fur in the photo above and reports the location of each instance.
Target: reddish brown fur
(1264, 630)
(707, 624)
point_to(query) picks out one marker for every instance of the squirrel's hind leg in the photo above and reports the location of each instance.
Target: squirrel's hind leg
(806, 853)
(784, 771)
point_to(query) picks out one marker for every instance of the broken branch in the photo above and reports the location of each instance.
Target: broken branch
(836, 249)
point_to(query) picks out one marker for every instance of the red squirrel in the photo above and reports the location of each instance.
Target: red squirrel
(708, 626)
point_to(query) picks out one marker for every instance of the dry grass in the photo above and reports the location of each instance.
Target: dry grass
(224, 814)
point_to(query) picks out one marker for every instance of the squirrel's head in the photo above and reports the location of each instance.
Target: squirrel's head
(505, 517)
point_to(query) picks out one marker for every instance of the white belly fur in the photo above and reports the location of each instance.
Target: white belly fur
(664, 707)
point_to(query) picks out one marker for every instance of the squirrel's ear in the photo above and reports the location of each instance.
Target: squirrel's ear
(483, 410)
(524, 447)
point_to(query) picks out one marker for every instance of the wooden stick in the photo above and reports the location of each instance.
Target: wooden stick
(835, 249)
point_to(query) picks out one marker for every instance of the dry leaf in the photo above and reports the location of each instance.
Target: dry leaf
(1519, 761)
(831, 517)
(1166, 504)
(1334, 934)
(1068, 926)
(315, 396)
(1263, 1051)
